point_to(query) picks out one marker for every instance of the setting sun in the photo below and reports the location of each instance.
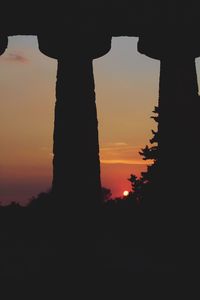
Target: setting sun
(125, 193)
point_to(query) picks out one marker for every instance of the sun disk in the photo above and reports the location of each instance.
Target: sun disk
(125, 193)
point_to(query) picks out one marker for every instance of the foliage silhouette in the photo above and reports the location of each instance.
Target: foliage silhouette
(106, 194)
(143, 188)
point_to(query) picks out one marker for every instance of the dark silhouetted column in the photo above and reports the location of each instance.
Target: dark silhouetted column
(178, 145)
(3, 43)
(76, 165)
(178, 120)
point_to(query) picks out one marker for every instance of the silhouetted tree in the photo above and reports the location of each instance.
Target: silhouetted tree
(143, 185)
(42, 199)
(106, 194)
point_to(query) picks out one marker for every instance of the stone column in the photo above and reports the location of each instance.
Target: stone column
(178, 106)
(3, 43)
(178, 146)
(76, 185)
(76, 165)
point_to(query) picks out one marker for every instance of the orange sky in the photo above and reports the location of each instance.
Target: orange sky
(126, 90)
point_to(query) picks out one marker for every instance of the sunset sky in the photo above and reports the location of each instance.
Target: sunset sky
(126, 91)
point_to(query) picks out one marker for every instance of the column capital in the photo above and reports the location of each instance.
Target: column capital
(85, 45)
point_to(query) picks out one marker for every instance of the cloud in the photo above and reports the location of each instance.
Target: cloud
(15, 57)
(122, 153)
(125, 161)
(117, 144)
(120, 144)
(119, 151)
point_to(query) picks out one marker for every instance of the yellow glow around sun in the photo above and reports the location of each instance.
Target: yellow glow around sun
(125, 193)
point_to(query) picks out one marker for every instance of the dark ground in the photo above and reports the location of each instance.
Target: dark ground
(42, 244)
(51, 250)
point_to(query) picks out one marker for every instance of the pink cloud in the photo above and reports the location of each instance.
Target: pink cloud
(15, 57)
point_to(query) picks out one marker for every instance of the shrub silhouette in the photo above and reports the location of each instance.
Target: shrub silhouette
(143, 187)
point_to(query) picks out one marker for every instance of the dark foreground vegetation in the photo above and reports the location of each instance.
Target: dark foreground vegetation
(41, 242)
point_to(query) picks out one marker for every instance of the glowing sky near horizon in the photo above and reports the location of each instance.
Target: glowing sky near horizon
(126, 93)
